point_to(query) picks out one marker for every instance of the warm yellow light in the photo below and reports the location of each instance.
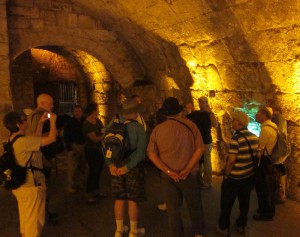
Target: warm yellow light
(296, 77)
(191, 63)
(171, 84)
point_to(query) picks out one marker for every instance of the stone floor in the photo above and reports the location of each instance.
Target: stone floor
(78, 219)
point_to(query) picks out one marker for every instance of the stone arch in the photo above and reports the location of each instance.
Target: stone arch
(117, 58)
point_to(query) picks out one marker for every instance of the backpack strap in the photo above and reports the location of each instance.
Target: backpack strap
(15, 138)
(28, 164)
(277, 131)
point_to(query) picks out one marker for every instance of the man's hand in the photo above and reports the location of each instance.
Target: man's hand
(184, 173)
(173, 175)
(44, 117)
(113, 170)
(122, 170)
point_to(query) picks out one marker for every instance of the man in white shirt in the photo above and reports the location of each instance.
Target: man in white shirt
(265, 182)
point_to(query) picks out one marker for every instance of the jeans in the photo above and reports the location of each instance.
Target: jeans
(230, 190)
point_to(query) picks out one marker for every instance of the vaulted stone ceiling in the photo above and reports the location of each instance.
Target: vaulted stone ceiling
(240, 42)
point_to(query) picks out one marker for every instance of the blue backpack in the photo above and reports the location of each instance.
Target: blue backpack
(115, 144)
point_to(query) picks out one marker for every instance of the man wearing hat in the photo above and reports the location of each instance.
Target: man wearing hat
(205, 120)
(239, 173)
(265, 180)
(175, 147)
(128, 181)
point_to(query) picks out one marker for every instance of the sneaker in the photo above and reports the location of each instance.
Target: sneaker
(223, 233)
(205, 186)
(91, 200)
(121, 233)
(240, 229)
(140, 232)
(162, 206)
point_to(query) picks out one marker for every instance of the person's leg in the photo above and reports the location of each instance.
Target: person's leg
(119, 210)
(119, 216)
(71, 156)
(282, 193)
(260, 187)
(133, 212)
(34, 202)
(135, 189)
(21, 208)
(81, 169)
(228, 195)
(174, 199)
(244, 190)
(271, 190)
(190, 188)
(207, 168)
(92, 179)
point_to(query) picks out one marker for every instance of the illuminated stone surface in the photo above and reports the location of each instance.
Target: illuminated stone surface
(246, 51)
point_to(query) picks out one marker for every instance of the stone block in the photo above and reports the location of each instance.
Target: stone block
(19, 23)
(3, 38)
(37, 24)
(24, 11)
(49, 18)
(61, 19)
(86, 22)
(61, 6)
(4, 49)
(43, 4)
(21, 3)
(72, 20)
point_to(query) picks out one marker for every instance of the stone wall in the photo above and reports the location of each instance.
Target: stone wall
(6, 98)
(235, 52)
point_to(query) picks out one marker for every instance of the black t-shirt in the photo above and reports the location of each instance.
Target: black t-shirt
(202, 120)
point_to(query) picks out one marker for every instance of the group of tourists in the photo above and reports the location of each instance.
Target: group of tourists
(179, 146)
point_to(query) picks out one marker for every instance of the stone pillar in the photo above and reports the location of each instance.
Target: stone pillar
(5, 93)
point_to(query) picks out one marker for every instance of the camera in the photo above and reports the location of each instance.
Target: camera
(48, 115)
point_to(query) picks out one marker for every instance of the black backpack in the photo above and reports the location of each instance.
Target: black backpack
(12, 175)
(115, 144)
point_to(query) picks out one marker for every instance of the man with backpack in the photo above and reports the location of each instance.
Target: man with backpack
(128, 181)
(265, 179)
(31, 196)
(45, 104)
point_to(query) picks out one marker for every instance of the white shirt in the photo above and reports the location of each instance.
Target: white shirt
(268, 137)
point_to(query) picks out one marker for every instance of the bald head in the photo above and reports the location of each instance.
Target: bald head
(45, 101)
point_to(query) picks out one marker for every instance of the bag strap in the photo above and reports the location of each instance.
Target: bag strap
(250, 148)
(184, 125)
